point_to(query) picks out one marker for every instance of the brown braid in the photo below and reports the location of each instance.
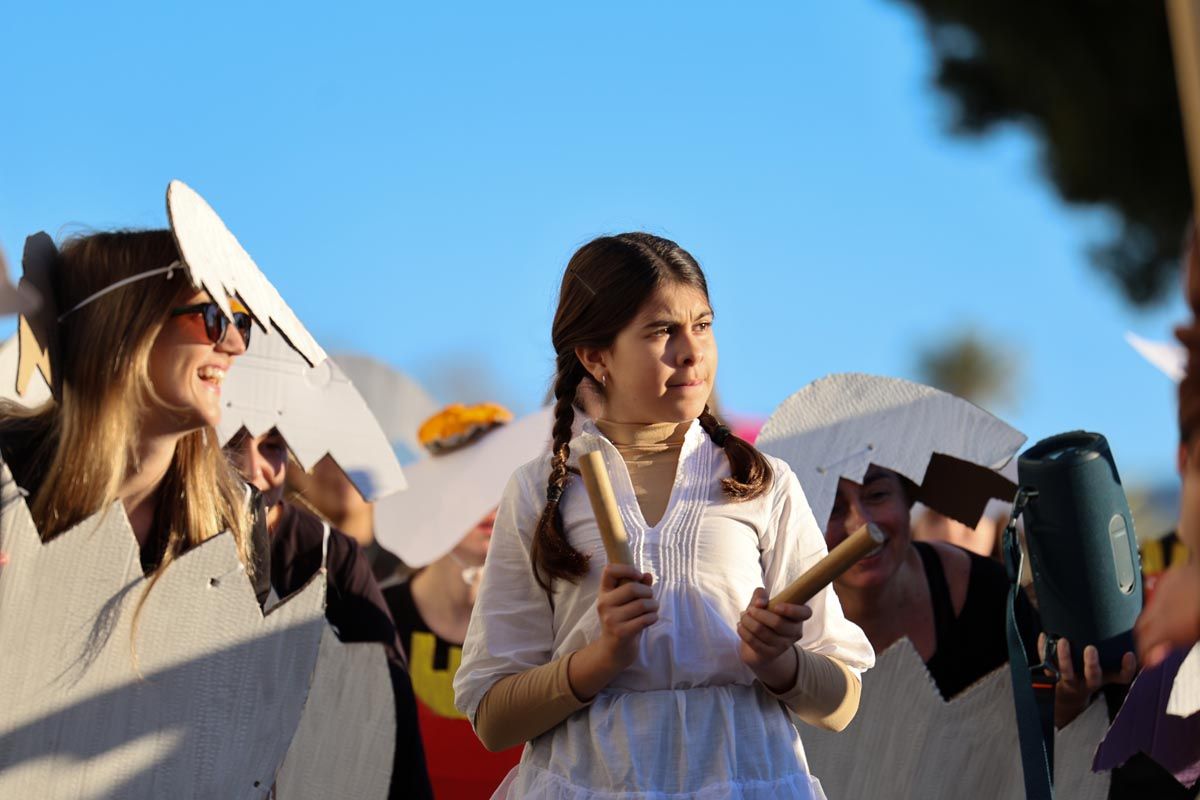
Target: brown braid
(552, 555)
(750, 473)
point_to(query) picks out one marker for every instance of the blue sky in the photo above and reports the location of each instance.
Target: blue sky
(414, 180)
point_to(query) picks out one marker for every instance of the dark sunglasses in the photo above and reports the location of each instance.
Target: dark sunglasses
(216, 324)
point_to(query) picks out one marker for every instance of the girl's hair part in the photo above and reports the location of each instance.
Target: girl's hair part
(605, 284)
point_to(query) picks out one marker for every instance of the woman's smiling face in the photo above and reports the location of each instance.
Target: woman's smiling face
(880, 499)
(662, 365)
(187, 371)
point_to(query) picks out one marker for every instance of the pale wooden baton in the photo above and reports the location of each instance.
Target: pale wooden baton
(604, 506)
(841, 558)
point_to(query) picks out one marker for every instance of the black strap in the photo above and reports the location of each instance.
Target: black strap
(1035, 716)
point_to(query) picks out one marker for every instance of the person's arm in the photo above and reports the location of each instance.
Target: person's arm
(521, 707)
(820, 682)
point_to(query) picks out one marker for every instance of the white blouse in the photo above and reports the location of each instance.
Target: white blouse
(687, 718)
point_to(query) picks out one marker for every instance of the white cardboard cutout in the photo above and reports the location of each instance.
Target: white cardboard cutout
(346, 742)
(1169, 358)
(218, 264)
(316, 409)
(836, 426)
(906, 741)
(448, 494)
(1185, 692)
(399, 403)
(223, 687)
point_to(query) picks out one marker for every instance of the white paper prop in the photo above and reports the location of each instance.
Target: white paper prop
(1185, 692)
(906, 741)
(218, 264)
(399, 403)
(1169, 358)
(223, 686)
(837, 426)
(448, 494)
(317, 411)
(36, 392)
(347, 738)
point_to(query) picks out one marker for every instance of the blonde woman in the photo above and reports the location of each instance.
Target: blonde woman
(138, 364)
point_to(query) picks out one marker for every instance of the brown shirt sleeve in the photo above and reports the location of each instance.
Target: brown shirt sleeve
(523, 706)
(826, 693)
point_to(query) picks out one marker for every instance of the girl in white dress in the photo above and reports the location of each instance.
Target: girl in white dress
(672, 678)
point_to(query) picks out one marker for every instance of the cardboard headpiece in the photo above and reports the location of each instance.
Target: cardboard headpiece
(839, 425)
(317, 410)
(1169, 358)
(15, 299)
(449, 493)
(211, 257)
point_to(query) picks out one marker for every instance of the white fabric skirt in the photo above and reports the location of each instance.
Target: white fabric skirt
(705, 743)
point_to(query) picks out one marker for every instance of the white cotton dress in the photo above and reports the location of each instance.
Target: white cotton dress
(687, 719)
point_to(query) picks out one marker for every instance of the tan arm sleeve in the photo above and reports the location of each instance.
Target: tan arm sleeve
(524, 706)
(826, 693)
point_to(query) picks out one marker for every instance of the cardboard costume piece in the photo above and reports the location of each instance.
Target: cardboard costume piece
(839, 425)
(1169, 358)
(211, 258)
(16, 299)
(222, 687)
(346, 740)
(448, 494)
(906, 741)
(316, 410)
(399, 403)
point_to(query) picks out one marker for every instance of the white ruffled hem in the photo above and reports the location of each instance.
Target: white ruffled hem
(527, 782)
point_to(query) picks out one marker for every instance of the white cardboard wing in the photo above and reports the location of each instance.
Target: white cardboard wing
(347, 738)
(1169, 358)
(448, 494)
(218, 264)
(906, 741)
(222, 686)
(316, 409)
(399, 403)
(837, 426)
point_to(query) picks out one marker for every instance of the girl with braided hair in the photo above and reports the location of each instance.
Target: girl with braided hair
(670, 678)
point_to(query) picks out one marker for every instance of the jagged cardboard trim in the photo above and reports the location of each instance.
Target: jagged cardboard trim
(906, 741)
(346, 742)
(218, 264)
(222, 686)
(839, 425)
(316, 409)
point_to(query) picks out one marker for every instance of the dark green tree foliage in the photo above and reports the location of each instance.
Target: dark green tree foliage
(1094, 82)
(966, 364)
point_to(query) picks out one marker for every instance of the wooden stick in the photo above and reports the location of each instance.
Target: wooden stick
(604, 506)
(826, 571)
(1184, 19)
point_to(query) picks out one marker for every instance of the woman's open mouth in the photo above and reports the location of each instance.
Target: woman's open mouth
(212, 377)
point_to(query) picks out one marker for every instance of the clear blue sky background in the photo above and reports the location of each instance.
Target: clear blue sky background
(414, 179)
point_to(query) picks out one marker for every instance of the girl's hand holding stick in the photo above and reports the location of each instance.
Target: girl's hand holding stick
(625, 604)
(770, 629)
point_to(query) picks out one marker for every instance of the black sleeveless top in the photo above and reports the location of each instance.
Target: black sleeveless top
(974, 643)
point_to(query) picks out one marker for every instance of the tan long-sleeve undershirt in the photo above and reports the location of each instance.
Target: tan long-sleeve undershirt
(521, 707)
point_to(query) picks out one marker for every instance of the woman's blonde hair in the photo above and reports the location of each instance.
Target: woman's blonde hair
(83, 442)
